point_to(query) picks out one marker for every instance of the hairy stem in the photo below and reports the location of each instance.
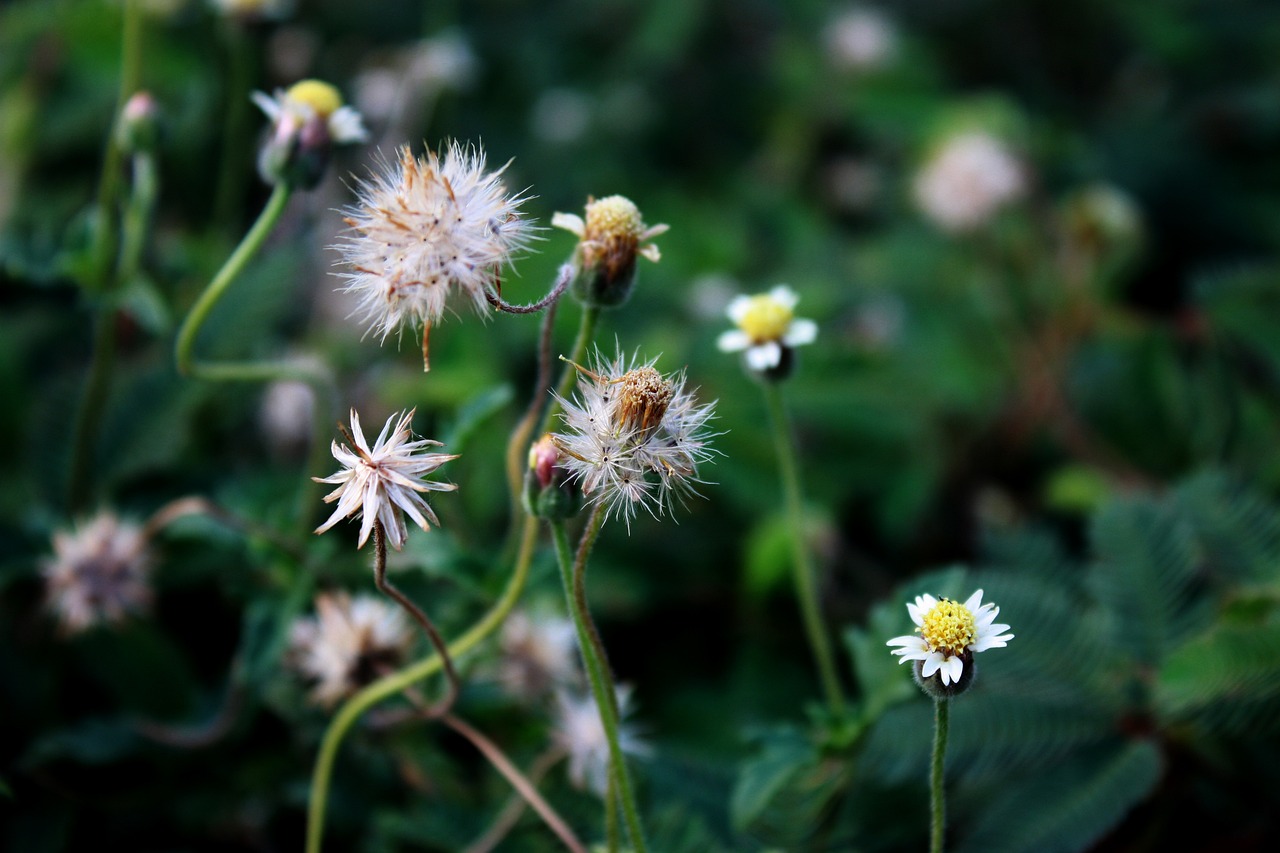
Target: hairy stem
(573, 569)
(511, 812)
(437, 642)
(938, 801)
(563, 278)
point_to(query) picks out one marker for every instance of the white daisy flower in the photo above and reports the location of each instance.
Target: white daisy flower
(426, 229)
(98, 573)
(767, 328)
(347, 644)
(970, 177)
(609, 239)
(949, 634)
(385, 482)
(309, 101)
(581, 734)
(634, 438)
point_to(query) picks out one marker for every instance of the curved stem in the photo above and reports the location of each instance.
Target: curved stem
(389, 686)
(802, 568)
(563, 278)
(387, 588)
(235, 264)
(573, 573)
(938, 802)
(518, 781)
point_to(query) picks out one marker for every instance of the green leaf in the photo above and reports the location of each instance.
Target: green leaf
(784, 752)
(1065, 808)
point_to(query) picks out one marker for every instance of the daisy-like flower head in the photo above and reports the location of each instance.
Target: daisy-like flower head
(767, 331)
(98, 573)
(539, 653)
(968, 179)
(581, 734)
(609, 239)
(634, 438)
(347, 644)
(948, 635)
(385, 482)
(425, 229)
(307, 120)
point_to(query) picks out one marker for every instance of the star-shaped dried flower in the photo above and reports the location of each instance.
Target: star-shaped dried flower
(384, 482)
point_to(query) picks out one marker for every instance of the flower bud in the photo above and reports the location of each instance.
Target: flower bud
(547, 491)
(609, 239)
(139, 126)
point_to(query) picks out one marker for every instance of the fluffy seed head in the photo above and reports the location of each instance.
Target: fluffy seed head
(347, 644)
(426, 232)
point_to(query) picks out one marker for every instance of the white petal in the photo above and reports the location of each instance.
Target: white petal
(784, 295)
(800, 332)
(346, 125)
(734, 340)
(569, 222)
(651, 252)
(952, 669)
(974, 602)
(932, 664)
(267, 104)
(737, 308)
(764, 356)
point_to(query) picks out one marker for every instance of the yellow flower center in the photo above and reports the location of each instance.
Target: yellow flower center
(643, 399)
(949, 627)
(318, 95)
(613, 218)
(766, 319)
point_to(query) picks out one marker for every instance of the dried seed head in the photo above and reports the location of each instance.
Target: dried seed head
(643, 398)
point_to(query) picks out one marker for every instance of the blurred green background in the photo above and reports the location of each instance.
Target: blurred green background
(1068, 396)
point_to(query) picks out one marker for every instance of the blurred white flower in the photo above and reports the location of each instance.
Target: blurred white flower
(98, 573)
(385, 482)
(948, 634)
(969, 178)
(767, 326)
(860, 39)
(634, 438)
(444, 61)
(581, 734)
(286, 414)
(426, 229)
(538, 654)
(347, 644)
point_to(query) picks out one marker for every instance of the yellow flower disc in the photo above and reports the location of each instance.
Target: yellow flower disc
(318, 95)
(766, 319)
(949, 627)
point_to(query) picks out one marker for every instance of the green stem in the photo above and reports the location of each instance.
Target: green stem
(235, 264)
(233, 174)
(802, 568)
(105, 242)
(392, 684)
(137, 216)
(96, 390)
(573, 571)
(938, 801)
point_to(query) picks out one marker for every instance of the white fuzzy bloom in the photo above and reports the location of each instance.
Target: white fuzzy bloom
(860, 39)
(581, 734)
(426, 229)
(948, 633)
(969, 178)
(285, 413)
(538, 654)
(98, 573)
(634, 438)
(766, 324)
(385, 482)
(347, 644)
